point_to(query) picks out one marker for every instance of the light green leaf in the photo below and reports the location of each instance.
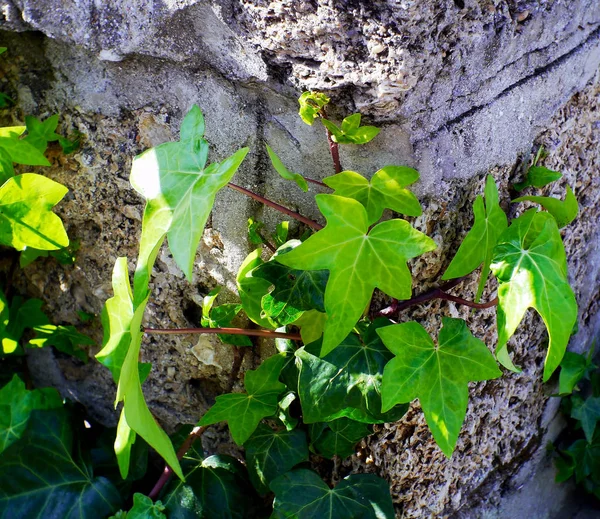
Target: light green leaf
(587, 412)
(311, 325)
(64, 338)
(283, 408)
(21, 151)
(180, 191)
(351, 132)
(16, 406)
(530, 265)
(563, 211)
(244, 411)
(338, 437)
(347, 381)
(26, 217)
(302, 494)
(437, 376)
(44, 477)
(143, 508)
(221, 317)
(538, 176)
(251, 289)
(479, 243)
(269, 454)
(39, 133)
(123, 339)
(124, 441)
(6, 166)
(254, 235)
(358, 259)
(281, 233)
(311, 103)
(385, 190)
(12, 132)
(572, 369)
(284, 172)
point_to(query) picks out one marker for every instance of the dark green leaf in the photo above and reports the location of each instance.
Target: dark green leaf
(437, 375)
(538, 176)
(572, 370)
(64, 338)
(283, 409)
(244, 411)
(284, 172)
(564, 212)
(143, 508)
(221, 317)
(269, 454)
(15, 320)
(44, 478)
(302, 494)
(339, 437)
(71, 144)
(252, 289)
(587, 412)
(311, 104)
(531, 267)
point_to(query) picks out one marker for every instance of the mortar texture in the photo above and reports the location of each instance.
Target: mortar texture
(460, 88)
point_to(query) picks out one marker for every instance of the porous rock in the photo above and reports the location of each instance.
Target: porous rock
(460, 88)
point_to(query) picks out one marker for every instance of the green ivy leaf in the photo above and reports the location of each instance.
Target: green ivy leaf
(587, 412)
(281, 233)
(311, 324)
(530, 265)
(292, 291)
(347, 381)
(221, 317)
(214, 488)
(479, 243)
(143, 508)
(387, 189)
(283, 410)
(311, 104)
(39, 133)
(563, 211)
(16, 406)
(244, 411)
(26, 217)
(254, 228)
(284, 172)
(269, 454)
(338, 437)
(538, 176)
(123, 338)
(64, 256)
(572, 369)
(437, 375)
(16, 318)
(64, 338)
(44, 477)
(180, 191)
(351, 132)
(251, 289)
(6, 166)
(19, 150)
(359, 260)
(72, 144)
(302, 494)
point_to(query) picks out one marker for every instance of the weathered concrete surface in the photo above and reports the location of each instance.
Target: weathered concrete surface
(460, 88)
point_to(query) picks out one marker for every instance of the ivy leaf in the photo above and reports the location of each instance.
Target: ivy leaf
(530, 265)
(254, 228)
(16, 318)
(143, 508)
(386, 189)
(180, 191)
(281, 233)
(19, 150)
(358, 259)
(311, 324)
(40, 133)
(64, 338)
(293, 291)
(587, 412)
(347, 381)
(572, 369)
(6, 166)
(302, 494)
(221, 317)
(215, 488)
(563, 211)
(69, 145)
(244, 411)
(123, 338)
(538, 176)
(311, 103)
(437, 375)
(269, 454)
(284, 172)
(251, 289)
(338, 437)
(351, 132)
(479, 243)
(283, 409)
(16, 406)
(26, 217)
(43, 476)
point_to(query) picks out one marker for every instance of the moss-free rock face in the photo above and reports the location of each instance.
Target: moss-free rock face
(460, 88)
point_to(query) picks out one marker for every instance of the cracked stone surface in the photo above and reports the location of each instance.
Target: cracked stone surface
(460, 88)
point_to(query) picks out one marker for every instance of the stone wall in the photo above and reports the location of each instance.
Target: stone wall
(460, 88)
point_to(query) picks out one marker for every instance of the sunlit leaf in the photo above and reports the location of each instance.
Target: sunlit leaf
(221, 317)
(284, 172)
(563, 211)
(251, 289)
(40, 133)
(19, 150)
(64, 338)
(538, 176)
(311, 103)
(350, 131)
(437, 375)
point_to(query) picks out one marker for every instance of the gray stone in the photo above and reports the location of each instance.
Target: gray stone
(460, 88)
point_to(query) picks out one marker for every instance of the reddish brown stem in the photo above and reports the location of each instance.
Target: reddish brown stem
(316, 182)
(231, 331)
(168, 472)
(334, 149)
(280, 208)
